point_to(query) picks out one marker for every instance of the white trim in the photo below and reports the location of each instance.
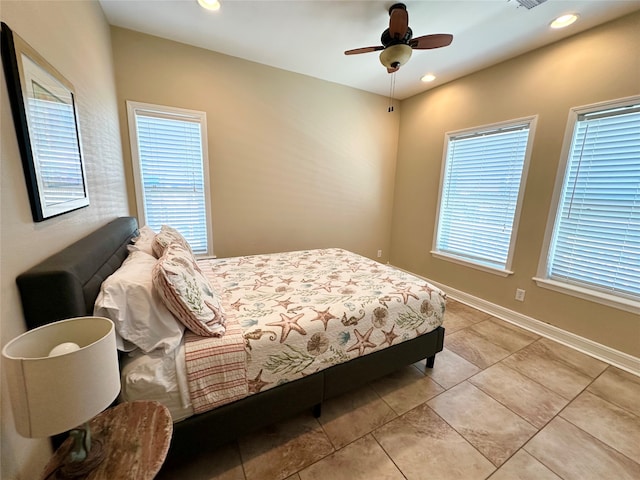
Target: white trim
(135, 161)
(206, 257)
(542, 275)
(543, 260)
(619, 359)
(470, 264)
(204, 135)
(531, 121)
(614, 301)
(183, 114)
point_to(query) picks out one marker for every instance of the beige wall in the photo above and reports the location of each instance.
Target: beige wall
(600, 64)
(296, 162)
(74, 37)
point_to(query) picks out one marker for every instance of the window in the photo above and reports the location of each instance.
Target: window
(592, 247)
(480, 192)
(169, 153)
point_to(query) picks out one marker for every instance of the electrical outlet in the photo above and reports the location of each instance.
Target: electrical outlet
(379, 253)
(520, 294)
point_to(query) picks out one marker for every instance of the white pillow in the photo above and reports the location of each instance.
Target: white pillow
(143, 241)
(141, 319)
(157, 376)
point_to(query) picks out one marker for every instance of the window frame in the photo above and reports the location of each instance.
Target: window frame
(173, 113)
(507, 270)
(542, 278)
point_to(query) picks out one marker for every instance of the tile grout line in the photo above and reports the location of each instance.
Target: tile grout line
(605, 399)
(444, 390)
(558, 414)
(500, 403)
(496, 468)
(387, 454)
(588, 433)
(397, 416)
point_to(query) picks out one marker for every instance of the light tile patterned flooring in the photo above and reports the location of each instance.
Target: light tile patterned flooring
(501, 403)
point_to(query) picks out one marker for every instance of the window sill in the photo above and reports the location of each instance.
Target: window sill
(620, 303)
(205, 256)
(467, 263)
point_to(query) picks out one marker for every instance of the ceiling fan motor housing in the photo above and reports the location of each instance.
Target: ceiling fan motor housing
(386, 39)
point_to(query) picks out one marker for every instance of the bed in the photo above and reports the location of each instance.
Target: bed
(68, 283)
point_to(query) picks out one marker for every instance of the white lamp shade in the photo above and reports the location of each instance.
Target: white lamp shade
(50, 395)
(395, 55)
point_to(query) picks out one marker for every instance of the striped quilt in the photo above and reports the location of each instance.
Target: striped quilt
(292, 314)
(216, 368)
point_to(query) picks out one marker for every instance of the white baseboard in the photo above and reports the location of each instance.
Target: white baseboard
(614, 357)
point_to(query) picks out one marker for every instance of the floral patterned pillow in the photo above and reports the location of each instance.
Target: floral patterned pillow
(165, 237)
(187, 293)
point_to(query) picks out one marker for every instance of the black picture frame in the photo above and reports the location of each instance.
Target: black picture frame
(46, 123)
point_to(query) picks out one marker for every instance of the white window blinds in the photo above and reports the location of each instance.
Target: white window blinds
(480, 194)
(55, 138)
(172, 174)
(596, 237)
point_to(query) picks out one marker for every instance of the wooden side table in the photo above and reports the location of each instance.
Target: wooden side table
(135, 437)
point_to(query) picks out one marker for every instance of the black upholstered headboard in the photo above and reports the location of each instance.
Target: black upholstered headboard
(66, 284)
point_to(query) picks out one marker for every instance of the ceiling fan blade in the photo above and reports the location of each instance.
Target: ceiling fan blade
(355, 51)
(398, 22)
(431, 41)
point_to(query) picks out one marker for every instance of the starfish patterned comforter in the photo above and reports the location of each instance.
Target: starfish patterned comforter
(292, 314)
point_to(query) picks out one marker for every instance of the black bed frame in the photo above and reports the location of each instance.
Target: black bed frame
(66, 285)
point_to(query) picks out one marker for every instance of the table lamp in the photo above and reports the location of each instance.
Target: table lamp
(60, 376)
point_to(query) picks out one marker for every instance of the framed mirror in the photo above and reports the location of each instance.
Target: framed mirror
(46, 123)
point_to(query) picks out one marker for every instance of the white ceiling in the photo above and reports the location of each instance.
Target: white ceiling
(310, 36)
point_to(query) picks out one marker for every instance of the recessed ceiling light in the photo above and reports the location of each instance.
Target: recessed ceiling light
(564, 20)
(209, 4)
(429, 77)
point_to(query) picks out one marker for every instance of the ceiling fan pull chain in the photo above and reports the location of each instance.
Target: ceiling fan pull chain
(392, 91)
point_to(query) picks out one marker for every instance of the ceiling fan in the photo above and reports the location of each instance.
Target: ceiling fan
(397, 41)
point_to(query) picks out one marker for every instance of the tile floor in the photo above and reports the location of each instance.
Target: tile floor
(501, 403)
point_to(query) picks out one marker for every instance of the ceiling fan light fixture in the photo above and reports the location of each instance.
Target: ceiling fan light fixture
(395, 55)
(209, 4)
(564, 20)
(429, 77)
